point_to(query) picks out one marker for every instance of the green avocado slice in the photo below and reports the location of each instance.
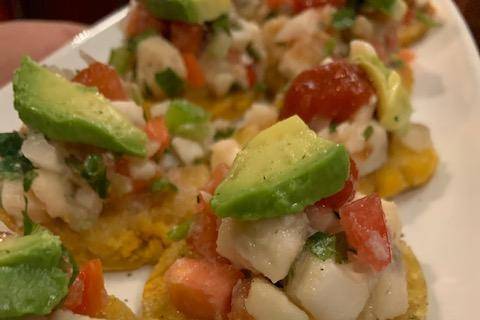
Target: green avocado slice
(190, 11)
(280, 171)
(66, 111)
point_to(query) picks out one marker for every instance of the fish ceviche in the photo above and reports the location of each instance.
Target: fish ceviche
(218, 56)
(41, 280)
(283, 234)
(111, 183)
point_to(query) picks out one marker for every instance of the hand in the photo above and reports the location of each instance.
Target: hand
(31, 37)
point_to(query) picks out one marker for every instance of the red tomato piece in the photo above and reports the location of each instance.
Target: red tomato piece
(156, 130)
(218, 174)
(300, 5)
(92, 289)
(201, 289)
(346, 194)
(364, 223)
(332, 91)
(204, 233)
(104, 78)
(195, 76)
(251, 75)
(140, 20)
(186, 37)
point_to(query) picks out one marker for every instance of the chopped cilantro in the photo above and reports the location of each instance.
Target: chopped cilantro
(332, 127)
(28, 178)
(325, 246)
(260, 87)
(223, 133)
(10, 144)
(170, 82)
(367, 133)
(94, 172)
(329, 46)
(253, 53)
(162, 184)
(222, 23)
(343, 18)
(384, 6)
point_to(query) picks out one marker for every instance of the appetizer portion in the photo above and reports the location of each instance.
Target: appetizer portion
(111, 177)
(366, 106)
(201, 49)
(284, 235)
(39, 277)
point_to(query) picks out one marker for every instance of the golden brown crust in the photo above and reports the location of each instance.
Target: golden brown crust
(117, 310)
(126, 238)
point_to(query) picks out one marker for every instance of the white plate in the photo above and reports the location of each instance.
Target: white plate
(440, 220)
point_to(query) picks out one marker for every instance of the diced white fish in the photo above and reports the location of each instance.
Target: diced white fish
(302, 25)
(42, 154)
(389, 298)
(260, 114)
(267, 302)
(187, 150)
(224, 151)
(268, 246)
(327, 290)
(155, 54)
(142, 169)
(131, 111)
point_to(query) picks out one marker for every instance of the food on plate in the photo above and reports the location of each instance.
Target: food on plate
(199, 49)
(113, 178)
(361, 81)
(364, 105)
(39, 277)
(270, 243)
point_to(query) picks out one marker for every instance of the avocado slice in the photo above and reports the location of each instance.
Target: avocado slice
(67, 111)
(280, 171)
(190, 11)
(32, 276)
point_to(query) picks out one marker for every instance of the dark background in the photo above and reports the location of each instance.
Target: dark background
(89, 11)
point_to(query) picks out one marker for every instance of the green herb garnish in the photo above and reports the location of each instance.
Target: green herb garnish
(426, 19)
(325, 246)
(384, 6)
(332, 127)
(170, 82)
(94, 172)
(187, 120)
(253, 53)
(10, 143)
(223, 133)
(162, 185)
(343, 18)
(121, 59)
(222, 23)
(330, 46)
(367, 133)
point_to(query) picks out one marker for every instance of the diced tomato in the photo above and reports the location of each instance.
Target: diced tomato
(218, 174)
(239, 295)
(87, 294)
(122, 166)
(346, 194)
(204, 233)
(104, 78)
(201, 289)
(406, 55)
(251, 75)
(364, 223)
(332, 91)
(300, 5)
(140, 20)
(157, 131)
(186, 37)
(195, 75)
